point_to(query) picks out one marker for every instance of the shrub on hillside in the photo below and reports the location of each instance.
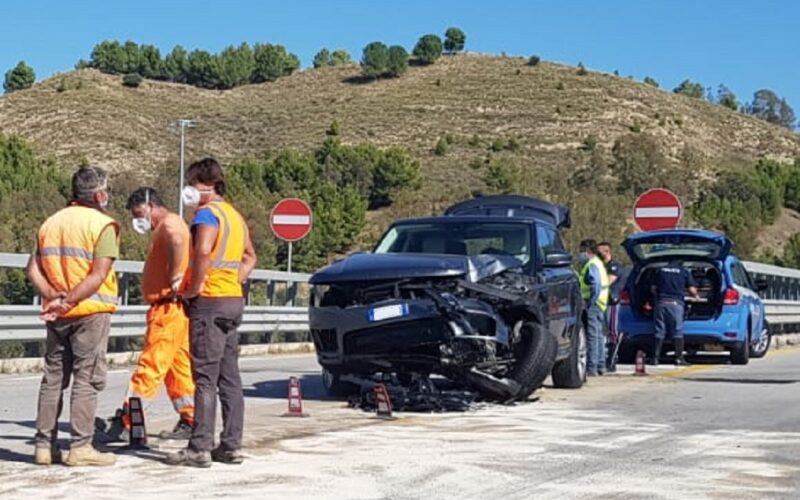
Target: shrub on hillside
(454, 40)
(132, 80)
(650, 81)
(690, 89)
(582, 70)
(534, 60)
(20, 77)
(428, 49)
(441, 147)
(397, 61)
(768, 106)
(375, 59)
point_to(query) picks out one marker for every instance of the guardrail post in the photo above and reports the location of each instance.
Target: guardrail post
(291, 292)
(271, 292)
(246, 290)
(123, 281)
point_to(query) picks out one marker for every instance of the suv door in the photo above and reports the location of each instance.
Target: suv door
(749, 297)
(559, 282)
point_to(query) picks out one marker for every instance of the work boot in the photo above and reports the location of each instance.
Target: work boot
(88, 455)
(679, 359)
(189, 457)
(113, 429)
(221, 455)
(182, 430)
(43, 455)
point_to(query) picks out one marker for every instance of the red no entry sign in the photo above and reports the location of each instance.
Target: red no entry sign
(657, 209)
(290, 220)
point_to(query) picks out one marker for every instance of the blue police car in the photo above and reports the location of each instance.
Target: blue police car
(729, 315)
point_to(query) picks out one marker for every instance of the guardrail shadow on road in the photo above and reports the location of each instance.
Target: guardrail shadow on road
(741, 380)
(311, 385)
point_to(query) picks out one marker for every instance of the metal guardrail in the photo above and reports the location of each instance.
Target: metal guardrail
(22, 323)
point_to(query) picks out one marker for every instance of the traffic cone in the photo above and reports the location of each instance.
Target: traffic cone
(383, 402)
(640, 364)
(295, 399)
(138, 433)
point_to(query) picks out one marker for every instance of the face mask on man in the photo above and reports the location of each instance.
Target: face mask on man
(143, 224)
(583, 257)
(191, 195)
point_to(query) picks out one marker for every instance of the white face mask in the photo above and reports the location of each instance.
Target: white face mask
(143, 224)
(191, 195)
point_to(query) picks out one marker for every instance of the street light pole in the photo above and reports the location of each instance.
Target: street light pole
(183, 124)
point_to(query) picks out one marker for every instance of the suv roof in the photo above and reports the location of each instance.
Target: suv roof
(513, 206)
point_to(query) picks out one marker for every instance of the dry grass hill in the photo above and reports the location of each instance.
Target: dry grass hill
(548, 109)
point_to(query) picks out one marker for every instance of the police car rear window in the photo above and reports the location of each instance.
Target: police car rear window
(707, 250)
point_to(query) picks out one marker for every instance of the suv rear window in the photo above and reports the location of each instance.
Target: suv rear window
(703, 249)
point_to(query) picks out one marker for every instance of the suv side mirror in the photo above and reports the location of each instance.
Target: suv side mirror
(761, 284)
(557, 259)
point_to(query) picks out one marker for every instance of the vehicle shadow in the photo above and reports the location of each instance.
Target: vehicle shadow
(740, 380)
(310, 384)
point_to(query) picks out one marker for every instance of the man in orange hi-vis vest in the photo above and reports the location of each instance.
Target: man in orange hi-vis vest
(165, 356)
(73, 271)
(222, 258)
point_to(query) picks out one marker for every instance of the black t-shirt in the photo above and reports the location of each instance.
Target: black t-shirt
(614, 268)
(672, 282)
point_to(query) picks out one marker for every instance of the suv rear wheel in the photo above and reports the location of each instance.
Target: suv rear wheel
(761, 347)
(740, 355)
(570, 373)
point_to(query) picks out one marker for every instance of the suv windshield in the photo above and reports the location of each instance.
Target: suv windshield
(459, 238)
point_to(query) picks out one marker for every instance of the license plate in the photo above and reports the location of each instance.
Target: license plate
(388, 312)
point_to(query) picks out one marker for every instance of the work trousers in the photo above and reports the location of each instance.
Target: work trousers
(76, 350)
(165, 359)
(669, 319)
(596, 340)
(214, 343)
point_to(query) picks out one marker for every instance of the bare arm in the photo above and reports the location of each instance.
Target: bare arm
(612, 278)
(204, 238)
(694, 292)
(37, 277)
(175, 259)
(249, 259)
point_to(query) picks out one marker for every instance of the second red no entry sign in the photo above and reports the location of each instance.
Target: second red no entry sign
(291, 219)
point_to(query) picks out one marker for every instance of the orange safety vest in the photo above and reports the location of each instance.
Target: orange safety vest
(66, 250)
(226, 256)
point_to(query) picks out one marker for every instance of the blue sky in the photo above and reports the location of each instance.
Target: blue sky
(746, 45)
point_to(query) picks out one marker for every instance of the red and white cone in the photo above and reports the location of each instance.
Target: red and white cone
(640, 364)
(383, 402)
(295, 399)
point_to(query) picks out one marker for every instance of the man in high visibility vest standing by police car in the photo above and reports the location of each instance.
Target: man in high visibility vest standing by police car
(595, 291)
(73, 271)
(222, 257)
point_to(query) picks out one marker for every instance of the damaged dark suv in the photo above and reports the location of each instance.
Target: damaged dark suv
(484, 296)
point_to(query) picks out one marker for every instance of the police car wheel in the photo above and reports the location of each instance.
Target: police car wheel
(760, 349)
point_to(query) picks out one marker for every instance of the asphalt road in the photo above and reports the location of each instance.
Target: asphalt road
(709, 431)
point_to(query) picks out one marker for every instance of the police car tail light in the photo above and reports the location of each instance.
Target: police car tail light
(625, 297)
(731, 297)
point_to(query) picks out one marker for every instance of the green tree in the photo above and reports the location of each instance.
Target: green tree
(341, 57)
(395, 170)
(651, 81)
(582, 69)
(791, 252)
(690, 89)
(322, 58)
(176, 66)
(428, 49)
(18, 78)
(638, 163)
(273, 62)
(236, 65)
(375, 59)
(109, 57)
(770, 107)
(454, 40)
(133, 58)
(726, 98)
(150, 63)
(202, 69)
(397, 61)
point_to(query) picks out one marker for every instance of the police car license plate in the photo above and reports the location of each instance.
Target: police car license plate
(388, 312)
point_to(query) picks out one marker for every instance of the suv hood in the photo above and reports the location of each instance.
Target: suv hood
(375, 267)
(651, 246)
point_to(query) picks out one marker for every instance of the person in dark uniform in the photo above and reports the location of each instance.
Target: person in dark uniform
(614, 270)
(672, 283)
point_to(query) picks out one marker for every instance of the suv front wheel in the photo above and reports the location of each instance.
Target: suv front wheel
(570, 373)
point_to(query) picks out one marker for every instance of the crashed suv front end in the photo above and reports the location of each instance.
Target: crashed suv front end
(468, 318)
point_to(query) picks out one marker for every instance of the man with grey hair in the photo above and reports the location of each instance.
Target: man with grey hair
(73, 271)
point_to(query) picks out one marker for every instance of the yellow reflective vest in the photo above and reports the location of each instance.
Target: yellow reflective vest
(605, 283)
(66, 244)
(222, 279)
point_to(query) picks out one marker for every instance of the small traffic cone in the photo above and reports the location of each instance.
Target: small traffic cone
(138, 433)
(295, 399)
(640, 364)
(383, 402)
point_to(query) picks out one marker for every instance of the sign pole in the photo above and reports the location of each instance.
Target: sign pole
(289, 266)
